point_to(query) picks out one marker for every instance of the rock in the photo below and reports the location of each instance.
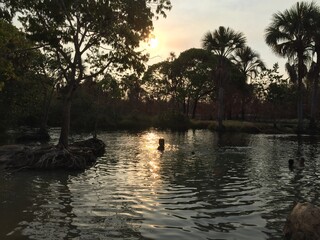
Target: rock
(303, 223)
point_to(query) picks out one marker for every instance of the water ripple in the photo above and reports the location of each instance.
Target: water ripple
(201, 187)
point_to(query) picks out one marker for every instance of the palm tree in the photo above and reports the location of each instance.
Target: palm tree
(248, 62)
(288, 36)
(249, 65)
(313, 75)
(222, 42)
(315, 69)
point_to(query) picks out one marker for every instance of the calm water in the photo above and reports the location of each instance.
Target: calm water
(201, 187)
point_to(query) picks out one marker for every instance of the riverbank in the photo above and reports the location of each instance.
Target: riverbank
(247, 127)
(180, 122)
(173, 122)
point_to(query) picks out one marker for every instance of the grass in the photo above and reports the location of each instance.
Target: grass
(246, 126)
(176, 121)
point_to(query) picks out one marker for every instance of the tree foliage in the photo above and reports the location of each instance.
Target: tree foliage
(22, 79)
(289, 36)
(88, 38)
(222, 42)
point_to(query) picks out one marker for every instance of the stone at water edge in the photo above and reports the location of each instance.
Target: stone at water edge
(303, 223)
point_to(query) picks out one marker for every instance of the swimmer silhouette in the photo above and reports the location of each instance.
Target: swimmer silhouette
(291, 164)
(299, 163)
(161, 144)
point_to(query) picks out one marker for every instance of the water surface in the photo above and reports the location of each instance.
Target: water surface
(203, 186)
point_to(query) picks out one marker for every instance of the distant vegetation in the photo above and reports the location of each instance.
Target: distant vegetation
(87, 54)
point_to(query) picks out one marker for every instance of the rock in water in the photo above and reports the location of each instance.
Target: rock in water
(303, 223)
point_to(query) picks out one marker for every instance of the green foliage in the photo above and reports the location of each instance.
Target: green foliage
(272, 87)
(291, 34)
(135, 121)
(192, 70)
(223, 41)
(248, 62)
(13, 60)
(88, 38)
(90, 34)
(22, 87)
(158, 83)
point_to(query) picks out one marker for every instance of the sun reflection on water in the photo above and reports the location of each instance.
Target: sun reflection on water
(148, 144)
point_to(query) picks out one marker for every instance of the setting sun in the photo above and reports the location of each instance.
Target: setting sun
(153, 42)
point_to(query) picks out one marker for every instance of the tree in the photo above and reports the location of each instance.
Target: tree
(132, 86)
(288, 35)
(88, 38)
(314, 72)
(278, 92)
(22, 86)
(193, 69)
(275, 93)
(222, 42)
(159, 81)
(249, 64)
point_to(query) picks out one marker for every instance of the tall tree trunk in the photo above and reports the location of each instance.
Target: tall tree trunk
(220, 108)
(195, 104)
(314, 100)
(243, 107)
(65, 127)
(300, 97)
(184, 106)
(188, 107)
(46, 107)
(222, 77)
(314, 97)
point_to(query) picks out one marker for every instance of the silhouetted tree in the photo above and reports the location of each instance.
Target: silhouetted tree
(88, 38)
(288, 36)
(222, 42)
(249, 64)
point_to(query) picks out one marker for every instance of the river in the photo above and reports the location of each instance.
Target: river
(202, 186)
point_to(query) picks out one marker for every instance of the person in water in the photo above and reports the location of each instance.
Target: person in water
(291, 163)
(161, 144)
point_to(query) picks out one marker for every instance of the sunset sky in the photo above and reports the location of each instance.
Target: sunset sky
(189, 20)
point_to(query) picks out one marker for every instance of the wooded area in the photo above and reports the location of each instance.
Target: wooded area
(87, 53)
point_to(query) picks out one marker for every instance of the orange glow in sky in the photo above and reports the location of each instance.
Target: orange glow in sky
(189, 20)
(153, 42)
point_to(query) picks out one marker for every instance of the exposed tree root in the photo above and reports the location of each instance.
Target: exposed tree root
(79, 155)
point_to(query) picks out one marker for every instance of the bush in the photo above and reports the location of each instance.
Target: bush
(174, 121)
(135, 121)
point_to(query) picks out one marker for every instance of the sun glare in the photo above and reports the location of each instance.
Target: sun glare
(153, 42)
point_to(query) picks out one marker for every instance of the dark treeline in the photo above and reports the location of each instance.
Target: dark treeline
(226, 79)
